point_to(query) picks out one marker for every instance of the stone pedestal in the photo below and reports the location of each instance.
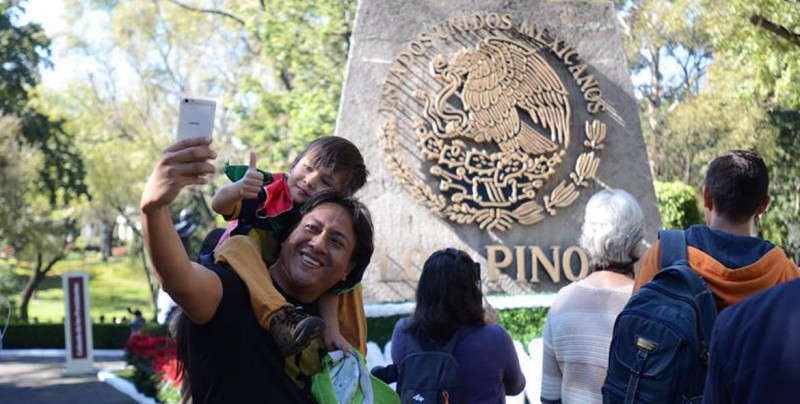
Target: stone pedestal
(487, 126)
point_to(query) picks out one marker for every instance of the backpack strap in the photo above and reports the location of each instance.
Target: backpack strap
(451, 344)
(412, 345)
(673, 247)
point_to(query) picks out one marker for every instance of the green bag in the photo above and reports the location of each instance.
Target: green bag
(347, 380)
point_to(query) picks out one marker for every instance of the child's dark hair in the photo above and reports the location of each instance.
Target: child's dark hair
(334, 155)
(738, 182)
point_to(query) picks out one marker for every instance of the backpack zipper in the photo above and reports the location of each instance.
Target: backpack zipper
(657, 320)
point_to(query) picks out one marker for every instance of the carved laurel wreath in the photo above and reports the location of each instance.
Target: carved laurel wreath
(498, 81)
(527, 213)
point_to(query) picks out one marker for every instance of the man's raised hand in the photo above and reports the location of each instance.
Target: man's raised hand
(183, 163)
(252, 181)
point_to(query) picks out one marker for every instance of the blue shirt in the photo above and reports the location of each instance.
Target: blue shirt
(486, 358)
(755, 349)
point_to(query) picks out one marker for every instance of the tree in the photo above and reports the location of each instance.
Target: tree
(38, 235)
(736, 63)
(143, 58)
(761, 37)
(278, 81)
(22, 49)
(666, 40)
(36, 220)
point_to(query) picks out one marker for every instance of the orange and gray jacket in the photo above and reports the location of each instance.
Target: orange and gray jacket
(734, 267)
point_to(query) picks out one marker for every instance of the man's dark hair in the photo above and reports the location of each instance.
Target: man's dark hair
(337, 155)
(362, 232)
(448, 296)
(738, 183)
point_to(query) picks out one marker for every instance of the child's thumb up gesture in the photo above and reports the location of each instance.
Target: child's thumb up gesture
(250, 184)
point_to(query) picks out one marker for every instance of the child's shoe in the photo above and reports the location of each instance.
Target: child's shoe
(293, 330)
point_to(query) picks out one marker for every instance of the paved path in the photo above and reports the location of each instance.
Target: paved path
(37, 380)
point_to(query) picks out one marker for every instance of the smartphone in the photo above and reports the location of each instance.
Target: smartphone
(196, 118)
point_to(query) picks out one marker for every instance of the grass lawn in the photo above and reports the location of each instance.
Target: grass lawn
(113, 286)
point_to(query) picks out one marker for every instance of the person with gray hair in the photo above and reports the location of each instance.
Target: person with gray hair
(580, 322)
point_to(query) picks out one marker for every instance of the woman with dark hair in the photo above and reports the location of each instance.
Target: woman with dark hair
(449, 302)
(580, 322)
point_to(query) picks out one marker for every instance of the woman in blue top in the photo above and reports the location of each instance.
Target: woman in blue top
(449, 299)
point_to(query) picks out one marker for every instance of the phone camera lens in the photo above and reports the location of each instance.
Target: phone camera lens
(185, 100)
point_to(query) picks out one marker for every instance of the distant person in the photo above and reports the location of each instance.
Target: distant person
(265, 207)
(231, 358)
(186, 227)
(733, 263)
(755, 355)
(138, 321)
(449, 301)
(580, 322)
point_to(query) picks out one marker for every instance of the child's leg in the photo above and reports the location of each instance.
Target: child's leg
(353, 320)
(291, 329)
(265, 299)
(329, 310)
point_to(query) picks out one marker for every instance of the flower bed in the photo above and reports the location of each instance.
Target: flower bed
(155, 367)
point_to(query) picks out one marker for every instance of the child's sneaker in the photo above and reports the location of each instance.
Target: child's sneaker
(293, 330)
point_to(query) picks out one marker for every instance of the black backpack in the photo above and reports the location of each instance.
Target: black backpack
(428, 377)
(659, 349)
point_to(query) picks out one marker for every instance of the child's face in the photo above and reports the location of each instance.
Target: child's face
(306, 180)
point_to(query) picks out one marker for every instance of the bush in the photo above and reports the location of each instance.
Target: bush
(677, 204)
(379, 329)
(155, 369)
(51, 336)
(523, 325)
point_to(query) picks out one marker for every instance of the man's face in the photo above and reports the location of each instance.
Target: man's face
(317, 254)
(306, 179)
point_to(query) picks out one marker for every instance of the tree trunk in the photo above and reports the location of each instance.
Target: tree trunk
(33, 282)
(151, 282)
(106, 238)
(206, 215)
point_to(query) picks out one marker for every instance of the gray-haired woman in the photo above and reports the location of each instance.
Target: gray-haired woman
(579, 325)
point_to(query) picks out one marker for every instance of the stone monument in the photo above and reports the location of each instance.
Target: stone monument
(487, 126)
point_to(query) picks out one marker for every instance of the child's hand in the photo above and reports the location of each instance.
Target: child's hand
(334, 340)
(250, 184)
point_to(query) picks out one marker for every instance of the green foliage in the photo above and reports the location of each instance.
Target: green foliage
(36, 221)
(781, 222)
(51, 336)
(524, 324)
(305, 45)
(677, 204)
(113, 287)
(379, 329)
(735, 88)
(22, 49)
(762, 36)
(154, 361)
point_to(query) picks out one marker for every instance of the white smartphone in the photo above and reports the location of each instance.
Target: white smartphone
(196, 118)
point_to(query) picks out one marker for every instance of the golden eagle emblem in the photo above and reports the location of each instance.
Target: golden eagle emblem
(499, 80)
(502, 93)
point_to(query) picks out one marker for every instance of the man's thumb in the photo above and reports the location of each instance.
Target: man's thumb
(253, 160)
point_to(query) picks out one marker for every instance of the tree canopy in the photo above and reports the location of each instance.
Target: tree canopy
(710, 75)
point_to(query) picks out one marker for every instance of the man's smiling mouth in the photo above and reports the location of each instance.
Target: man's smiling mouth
(310, 261)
